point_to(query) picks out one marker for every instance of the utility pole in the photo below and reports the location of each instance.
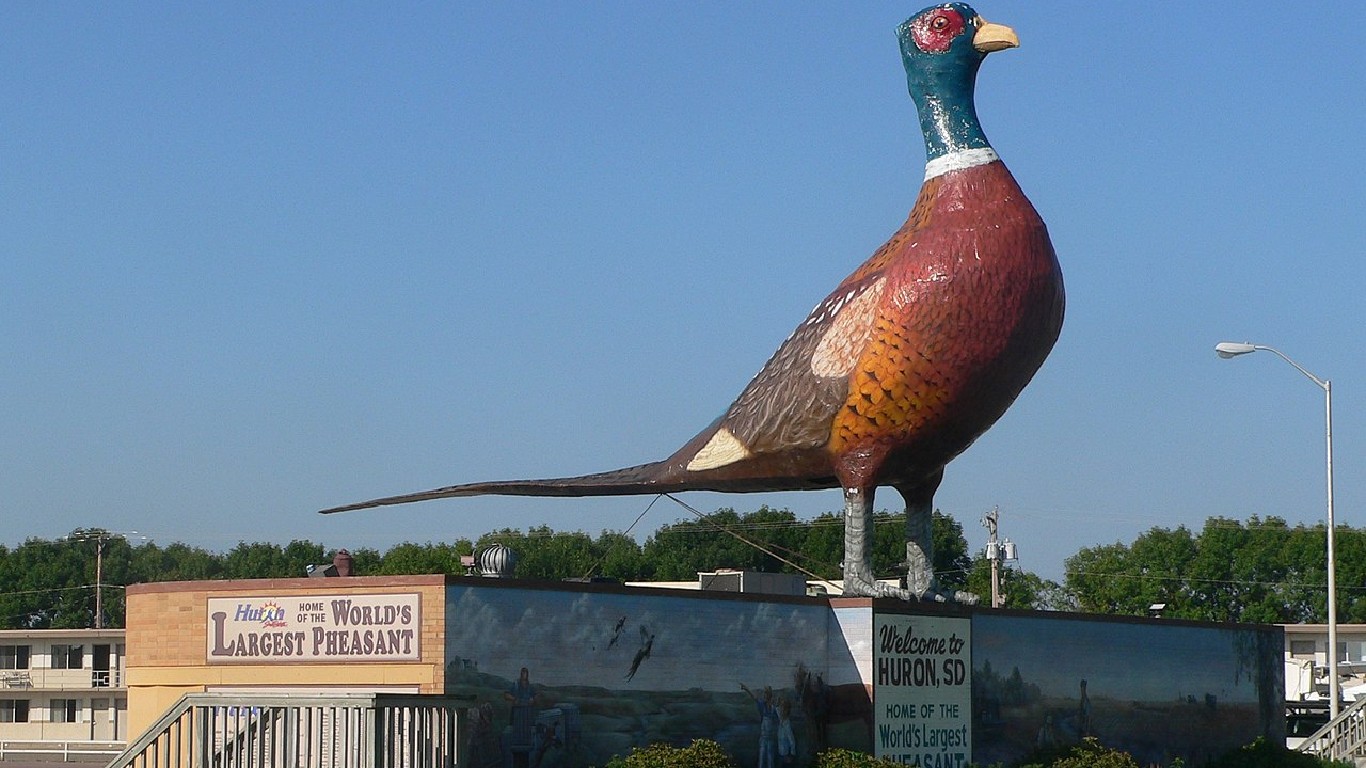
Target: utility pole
(996, 552)
(99, 586)
(100, 537)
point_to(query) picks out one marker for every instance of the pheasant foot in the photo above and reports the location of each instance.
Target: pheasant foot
(920, 579)
(921, 584)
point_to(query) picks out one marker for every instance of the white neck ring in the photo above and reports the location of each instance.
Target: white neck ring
(957, 161)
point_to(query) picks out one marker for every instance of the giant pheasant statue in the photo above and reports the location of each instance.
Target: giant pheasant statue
(907, 362)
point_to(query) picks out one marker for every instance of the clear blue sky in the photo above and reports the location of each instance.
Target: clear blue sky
(264, 259)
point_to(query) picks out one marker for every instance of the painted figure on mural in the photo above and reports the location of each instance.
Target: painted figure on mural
(815, 700)
(522, 693)
(1084, 714)
(1048, 736)
(520, 738)
(825, 705)
(787, 740)
(768, 724)
(483, 750)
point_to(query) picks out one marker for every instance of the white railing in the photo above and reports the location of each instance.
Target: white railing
(106, 678)
(370, 730)
(61, 679)
(67, 749)
(1340, 739)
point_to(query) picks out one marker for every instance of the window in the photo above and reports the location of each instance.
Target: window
(13, 657)
(14, 711)
(1355, 651)
(1302, 649)
(62, 711)
(68, 656)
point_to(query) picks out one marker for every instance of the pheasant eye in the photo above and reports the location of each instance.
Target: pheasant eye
(935, 33)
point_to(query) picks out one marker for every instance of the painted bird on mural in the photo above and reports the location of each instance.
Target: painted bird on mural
(647, 643)
(616, 632)
(908, 361)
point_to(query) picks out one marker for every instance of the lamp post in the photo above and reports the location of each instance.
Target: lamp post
(1227, 349)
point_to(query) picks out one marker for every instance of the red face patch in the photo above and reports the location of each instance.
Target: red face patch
(934, 31)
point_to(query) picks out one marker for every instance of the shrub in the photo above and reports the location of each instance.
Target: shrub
(1090, 753)
(843, 758)
(702, 753)
(1259, 754)
(1264, 754)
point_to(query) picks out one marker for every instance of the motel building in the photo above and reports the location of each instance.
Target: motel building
(62, 691)
(1306, 661)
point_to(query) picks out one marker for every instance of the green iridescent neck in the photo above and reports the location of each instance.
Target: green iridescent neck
(948, 120)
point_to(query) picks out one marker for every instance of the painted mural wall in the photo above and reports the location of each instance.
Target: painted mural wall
(1155, 689)
(608, 671)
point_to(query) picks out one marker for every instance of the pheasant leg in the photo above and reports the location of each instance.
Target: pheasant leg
(859, 580)
(920, 580)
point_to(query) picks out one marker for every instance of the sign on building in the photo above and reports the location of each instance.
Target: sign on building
(922, 690)
(282, 630)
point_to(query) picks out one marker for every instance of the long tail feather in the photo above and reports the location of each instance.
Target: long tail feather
(630, 481)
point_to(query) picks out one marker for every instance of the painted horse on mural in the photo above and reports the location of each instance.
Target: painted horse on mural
(826, 705)
(907, 362)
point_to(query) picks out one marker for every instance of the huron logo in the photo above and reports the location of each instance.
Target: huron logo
(269, 614)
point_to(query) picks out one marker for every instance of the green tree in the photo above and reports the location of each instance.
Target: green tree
(620, 557)
(261, 560)
(1124, 579)
(681, 550)
(47, 585)
(952, 563)
(775, 541)
(175, 562)
(410, 559)
(1258, 571)
(298, 555)
(1351, 569)
(1020, 589)
(543, 553)
(257, 560)
(367, 561)
(1100, 577)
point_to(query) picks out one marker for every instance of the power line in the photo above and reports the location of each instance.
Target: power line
(1194, 579)
(51, 589)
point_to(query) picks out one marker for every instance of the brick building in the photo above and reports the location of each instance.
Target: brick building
(382, 633)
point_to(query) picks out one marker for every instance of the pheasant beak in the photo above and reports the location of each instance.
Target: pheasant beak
(994, 37)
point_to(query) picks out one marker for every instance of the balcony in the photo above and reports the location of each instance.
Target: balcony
(106, 678)
(16, 679)
(62, 679)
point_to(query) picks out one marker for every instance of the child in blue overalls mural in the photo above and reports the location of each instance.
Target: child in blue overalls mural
(768, 725)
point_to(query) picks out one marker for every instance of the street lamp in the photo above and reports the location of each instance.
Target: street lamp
(1227, 349)
(99, 536)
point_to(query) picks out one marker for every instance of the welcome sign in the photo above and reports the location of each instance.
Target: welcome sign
(284, 630)
(922, 690)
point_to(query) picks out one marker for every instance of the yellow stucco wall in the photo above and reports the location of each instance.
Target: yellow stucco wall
(167, 636)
